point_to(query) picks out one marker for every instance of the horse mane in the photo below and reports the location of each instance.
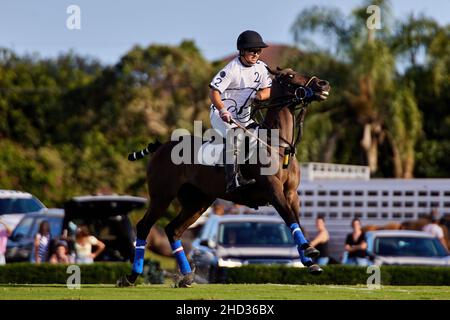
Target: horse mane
(280, 71)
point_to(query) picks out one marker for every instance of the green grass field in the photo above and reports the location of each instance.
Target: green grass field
(224, 292)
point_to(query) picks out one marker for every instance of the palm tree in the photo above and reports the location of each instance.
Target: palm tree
(381, 106)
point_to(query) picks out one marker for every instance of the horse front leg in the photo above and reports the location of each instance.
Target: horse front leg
(288, 210)
(305, 250)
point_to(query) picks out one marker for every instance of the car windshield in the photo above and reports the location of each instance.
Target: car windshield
(409, 247)
(23, 228)
(254, 233)
(18, 205)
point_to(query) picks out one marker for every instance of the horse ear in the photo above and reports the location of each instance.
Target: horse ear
(273, 72)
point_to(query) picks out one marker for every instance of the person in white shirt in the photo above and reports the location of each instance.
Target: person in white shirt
(435, 229)
(5, 232)
(242, 80)
(84, 242)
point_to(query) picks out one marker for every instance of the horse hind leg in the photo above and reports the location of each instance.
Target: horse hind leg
(193, 205)
(174, 231)
(156, 209)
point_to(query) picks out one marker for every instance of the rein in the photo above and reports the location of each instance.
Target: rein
(297, 100)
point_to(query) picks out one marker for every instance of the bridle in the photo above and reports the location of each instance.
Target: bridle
(296, 98)
(298, 95)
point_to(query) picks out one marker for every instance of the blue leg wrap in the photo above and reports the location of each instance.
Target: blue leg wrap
(138, 264)
(298, 235)
(179, 254)
(300, 241)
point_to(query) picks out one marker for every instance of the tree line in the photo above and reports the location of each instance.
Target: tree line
(68, 123)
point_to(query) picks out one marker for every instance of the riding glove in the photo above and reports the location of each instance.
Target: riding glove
(225, 115)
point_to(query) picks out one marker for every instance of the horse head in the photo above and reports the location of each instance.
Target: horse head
(287, 83)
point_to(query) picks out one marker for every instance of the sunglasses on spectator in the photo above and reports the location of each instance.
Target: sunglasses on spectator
(254, 51)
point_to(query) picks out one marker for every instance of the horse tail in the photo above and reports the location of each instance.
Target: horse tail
(142, 153)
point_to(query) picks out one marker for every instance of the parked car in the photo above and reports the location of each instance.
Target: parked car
(405, 247)
(106, 217)
(14, 205)
(20, 246)
(230, 241)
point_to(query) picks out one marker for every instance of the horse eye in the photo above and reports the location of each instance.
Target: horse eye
(291, 76)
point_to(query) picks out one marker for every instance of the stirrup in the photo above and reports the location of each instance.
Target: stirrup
(244, 182)
(238, 182)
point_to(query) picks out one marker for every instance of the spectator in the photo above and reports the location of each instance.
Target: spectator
(218, 208)
(70, 244)
(236, 208)
(42, 242)
(68, 241)
(320, 242)
(61, 254)
(356, 245)
(83, 246)
(5, 232)
(434, 228)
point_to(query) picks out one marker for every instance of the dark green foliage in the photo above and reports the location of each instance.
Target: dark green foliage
(99, 272)
(67, 124)
(153, 272)
(96, 273)
(340, 275)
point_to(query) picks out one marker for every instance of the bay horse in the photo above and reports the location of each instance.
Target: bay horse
(196, 186)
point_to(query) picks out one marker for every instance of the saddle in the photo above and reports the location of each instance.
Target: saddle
(211, 152)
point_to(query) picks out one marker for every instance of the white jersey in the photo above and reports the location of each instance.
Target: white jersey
(238, 84)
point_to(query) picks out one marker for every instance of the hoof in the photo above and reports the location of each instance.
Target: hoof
(124, 282)
(311, 252)
(186, 281)
(314, 269)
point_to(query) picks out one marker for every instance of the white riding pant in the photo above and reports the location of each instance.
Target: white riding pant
(236, 147)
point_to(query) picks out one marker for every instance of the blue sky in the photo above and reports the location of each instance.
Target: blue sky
(110, 28)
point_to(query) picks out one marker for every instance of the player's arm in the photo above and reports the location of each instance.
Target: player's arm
(263, 94)
(216, 99)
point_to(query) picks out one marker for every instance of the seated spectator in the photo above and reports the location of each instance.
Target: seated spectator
(320, 242)
(356, 245)
(84, 242)
(61, 253)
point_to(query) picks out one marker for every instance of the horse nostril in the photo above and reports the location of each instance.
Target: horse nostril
(323, 83)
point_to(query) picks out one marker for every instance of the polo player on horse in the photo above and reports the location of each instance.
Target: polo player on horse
(233, 89)
(242, 81)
